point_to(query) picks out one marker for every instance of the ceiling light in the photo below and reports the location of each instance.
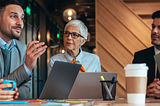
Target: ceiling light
(69, 18)
(69, 14)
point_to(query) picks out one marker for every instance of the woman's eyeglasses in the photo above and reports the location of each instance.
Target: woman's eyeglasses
(74, 35)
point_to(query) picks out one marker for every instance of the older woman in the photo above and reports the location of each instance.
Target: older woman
(74, 36)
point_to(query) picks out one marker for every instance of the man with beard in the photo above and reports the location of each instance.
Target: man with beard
(147, 56)
(16, 59)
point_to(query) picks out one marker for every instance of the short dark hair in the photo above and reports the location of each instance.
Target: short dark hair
(4, 3)
(156, 14)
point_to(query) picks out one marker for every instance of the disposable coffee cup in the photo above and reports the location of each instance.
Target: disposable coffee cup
(136, 82)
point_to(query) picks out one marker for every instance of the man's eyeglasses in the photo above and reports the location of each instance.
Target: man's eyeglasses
(74, 35)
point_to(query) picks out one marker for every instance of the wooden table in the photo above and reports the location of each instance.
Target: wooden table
(117, 102)
(123, 102)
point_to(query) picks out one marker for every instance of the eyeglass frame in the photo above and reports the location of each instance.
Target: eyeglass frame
(79, 35)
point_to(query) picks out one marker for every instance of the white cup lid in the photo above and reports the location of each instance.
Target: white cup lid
(141, 66)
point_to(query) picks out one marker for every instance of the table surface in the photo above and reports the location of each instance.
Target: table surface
(123, 102)
(117, 102)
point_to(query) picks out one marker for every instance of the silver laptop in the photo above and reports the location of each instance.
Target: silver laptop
(157, 59)
(60, 80)
(88, 86)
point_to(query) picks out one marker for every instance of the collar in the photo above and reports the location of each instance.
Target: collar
(69, 58)
(3, 43)
(156, 50)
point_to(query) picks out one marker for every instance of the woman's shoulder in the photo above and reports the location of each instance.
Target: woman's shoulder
(87, 54)
(57, 56)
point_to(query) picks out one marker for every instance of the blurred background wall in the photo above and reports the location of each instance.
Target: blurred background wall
(117, 29)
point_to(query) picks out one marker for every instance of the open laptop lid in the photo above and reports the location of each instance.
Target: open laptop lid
(60, 80)
(157, 60)
(88, 86)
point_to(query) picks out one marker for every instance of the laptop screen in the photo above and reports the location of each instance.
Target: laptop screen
(60, 80)
(88, 86)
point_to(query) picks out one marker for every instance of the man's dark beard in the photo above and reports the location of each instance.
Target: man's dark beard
(11, 34)
(154, 35)
(18, 26)
(156, 44)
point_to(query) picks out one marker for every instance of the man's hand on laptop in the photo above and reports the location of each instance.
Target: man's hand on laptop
(34, 50)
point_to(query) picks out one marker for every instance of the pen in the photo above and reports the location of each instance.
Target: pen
(106, 87)
(111, 85)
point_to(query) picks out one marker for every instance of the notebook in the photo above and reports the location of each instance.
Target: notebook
(60, 80)
(88, 86)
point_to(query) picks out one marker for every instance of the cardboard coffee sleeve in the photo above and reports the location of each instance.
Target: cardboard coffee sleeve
(136, 84)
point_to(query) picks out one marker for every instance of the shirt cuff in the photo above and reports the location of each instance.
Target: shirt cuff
(27, 71)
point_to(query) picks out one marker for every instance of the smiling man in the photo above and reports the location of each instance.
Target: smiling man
(147, 56)
(16, 59)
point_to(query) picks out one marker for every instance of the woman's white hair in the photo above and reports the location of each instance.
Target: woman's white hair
(82, 27)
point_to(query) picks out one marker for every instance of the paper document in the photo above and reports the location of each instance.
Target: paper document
(57, 104)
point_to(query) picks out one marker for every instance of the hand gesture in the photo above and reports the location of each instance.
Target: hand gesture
(34, 50)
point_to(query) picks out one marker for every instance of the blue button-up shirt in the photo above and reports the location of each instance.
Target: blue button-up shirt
(90, 61)
(6, 46)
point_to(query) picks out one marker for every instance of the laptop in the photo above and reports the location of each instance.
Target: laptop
(88, 86)
(157, 60)
(60, 80)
